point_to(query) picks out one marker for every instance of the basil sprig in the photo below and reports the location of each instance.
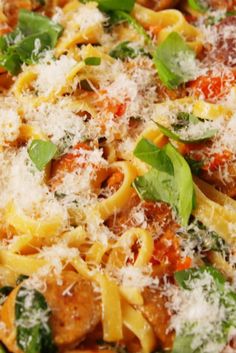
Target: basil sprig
(122, 16)
(125, 50)
(168, 180)
(174, 61)
(34, 34)
(41, 153)
(179, 131)
(32, 314)
(198, 5)
(112, 5)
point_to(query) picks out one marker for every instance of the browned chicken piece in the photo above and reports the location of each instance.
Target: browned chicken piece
(157, 315)
(225, 50)
(215, 179)
(73, 315)
(75, 310)
(158, 5)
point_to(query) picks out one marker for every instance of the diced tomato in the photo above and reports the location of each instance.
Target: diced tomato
(184, 264)
(120, 109)
(68, 162)
(166, 255)
(212, 88)
(115, 179)
(217, 160)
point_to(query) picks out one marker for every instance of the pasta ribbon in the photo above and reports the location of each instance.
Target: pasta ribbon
(20, 264)
(144, 238)
(24, 83)
(217, 217)
(23, 224)
(118, 255)
(137, 324)
(211, 111)
(168, 21)
(111, 309)
(112, 204)
(74, 33)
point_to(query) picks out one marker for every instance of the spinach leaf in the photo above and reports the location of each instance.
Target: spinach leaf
(174, 61)
(21, 278)
(205, 239)
(32, 315)
(112, 5)
(182, 344)
(41, 153)
(198, 5)
(121, 16)
(124, 50)
(183, 277)
(33, 35)
(188, 129)
(173, 185)
(214, 291)
(4, 292)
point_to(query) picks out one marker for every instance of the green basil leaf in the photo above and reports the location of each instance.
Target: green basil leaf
(156, 157)
(112, 5)
(121, 16)
(179, 131)
(93, 61)
(156, 186)
(11, 62)
(161, 184)
(34, 23)
(170, 59)
(34, 34)
(182, 344)
(124, 50)
(32, 315)
(184, 183)
(4, 292)
(41, 153)
(198, 5)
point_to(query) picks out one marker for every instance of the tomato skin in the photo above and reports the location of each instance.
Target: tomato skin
(217, 160)
(184, 264)
(212, 87)
(166, 255)
(68, 162)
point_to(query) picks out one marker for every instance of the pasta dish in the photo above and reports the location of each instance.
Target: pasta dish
(117, 176)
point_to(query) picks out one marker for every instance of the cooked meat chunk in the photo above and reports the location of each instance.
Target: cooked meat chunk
(228, 187)
(156, 313)
(75, 311)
